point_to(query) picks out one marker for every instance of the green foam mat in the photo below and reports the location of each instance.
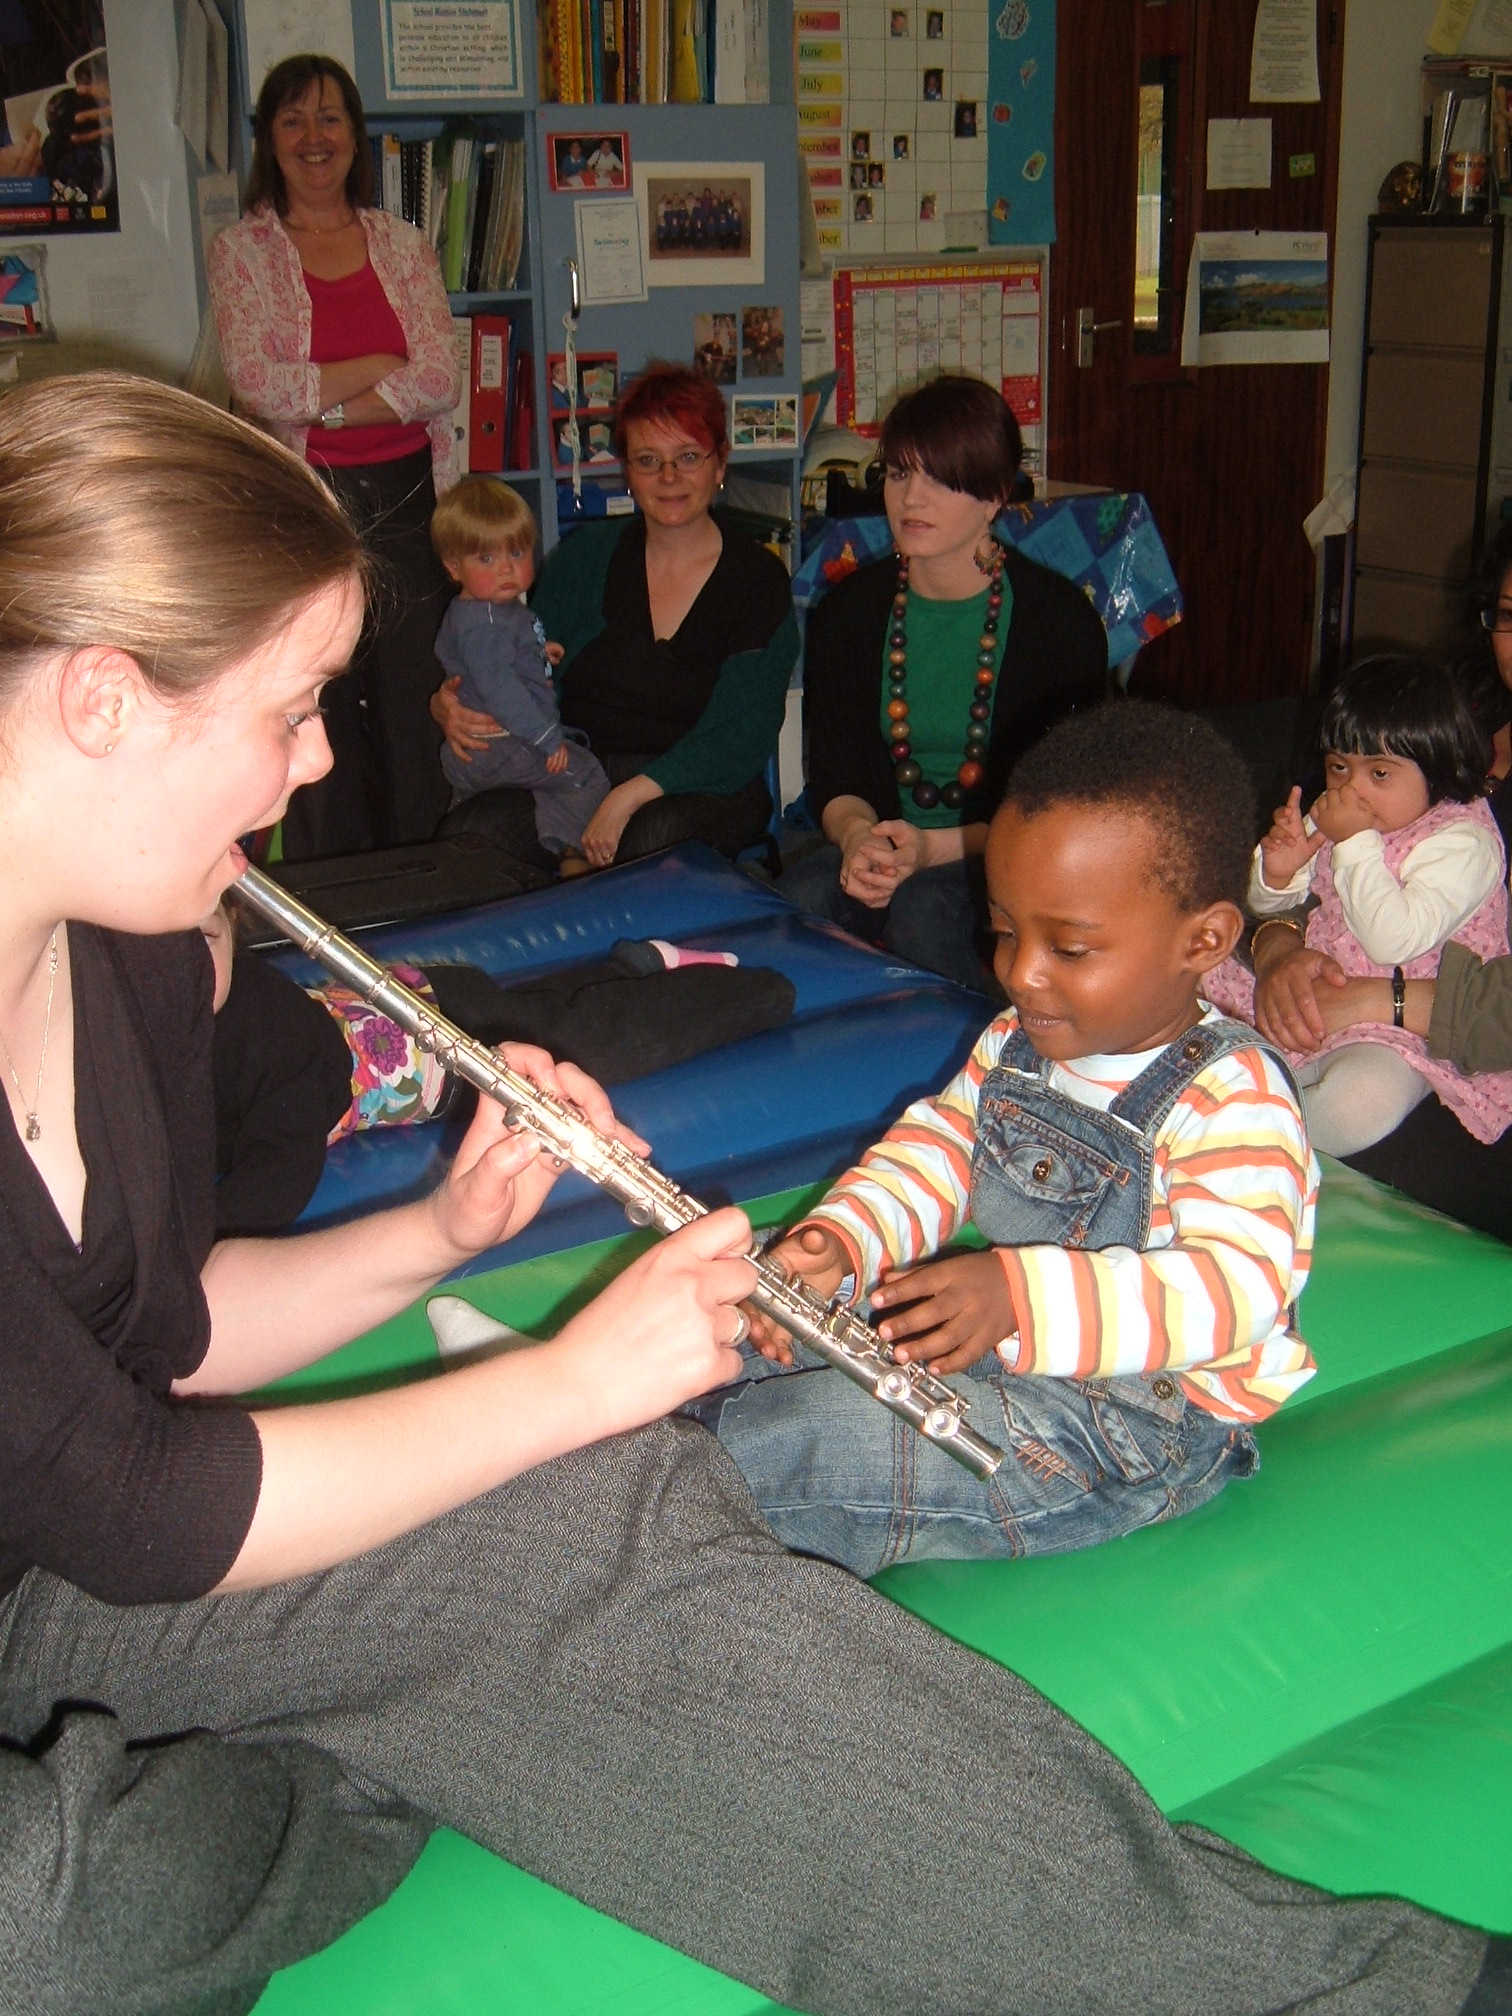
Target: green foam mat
(466, 1935)
(1316, 1665)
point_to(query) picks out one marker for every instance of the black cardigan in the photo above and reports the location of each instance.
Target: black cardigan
(1055, 658)
(105, 1478)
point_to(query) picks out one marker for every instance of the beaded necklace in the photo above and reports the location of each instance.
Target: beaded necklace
(927, 795)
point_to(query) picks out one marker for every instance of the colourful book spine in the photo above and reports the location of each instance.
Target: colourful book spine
(682, 67)
(596, 49)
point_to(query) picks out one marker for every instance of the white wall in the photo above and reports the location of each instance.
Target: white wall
(1381, 124)
(130, 298)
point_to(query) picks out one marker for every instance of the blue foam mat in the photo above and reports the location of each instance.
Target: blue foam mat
(784, 1107)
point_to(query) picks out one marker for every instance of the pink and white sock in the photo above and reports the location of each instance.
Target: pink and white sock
(684, 955)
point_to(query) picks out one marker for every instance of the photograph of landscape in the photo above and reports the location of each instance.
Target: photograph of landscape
(1272, 295)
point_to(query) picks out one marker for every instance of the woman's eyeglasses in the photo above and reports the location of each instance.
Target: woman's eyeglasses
(685, 461)
(1496, 617)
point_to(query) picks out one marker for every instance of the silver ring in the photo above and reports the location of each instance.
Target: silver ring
(742, 1330)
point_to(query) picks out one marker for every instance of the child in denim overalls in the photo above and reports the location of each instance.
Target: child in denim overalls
(1137, 1164)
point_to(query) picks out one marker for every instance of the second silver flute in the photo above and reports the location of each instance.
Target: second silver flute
(832, 1332)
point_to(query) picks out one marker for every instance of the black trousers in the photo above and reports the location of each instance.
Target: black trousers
(385, 788)
(727, 822)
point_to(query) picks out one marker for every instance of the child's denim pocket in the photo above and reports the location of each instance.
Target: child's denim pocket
(1034, 1183)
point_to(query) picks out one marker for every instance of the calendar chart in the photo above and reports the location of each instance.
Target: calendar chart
(896, 325)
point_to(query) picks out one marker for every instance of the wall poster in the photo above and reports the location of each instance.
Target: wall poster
(452, 49)
(57, 150)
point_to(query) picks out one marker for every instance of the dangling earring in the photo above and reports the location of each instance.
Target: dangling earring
(988, 556)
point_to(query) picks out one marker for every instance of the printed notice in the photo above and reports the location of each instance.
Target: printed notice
(279, 28)
(452, 48)
(1239, 154)
(1284, 53)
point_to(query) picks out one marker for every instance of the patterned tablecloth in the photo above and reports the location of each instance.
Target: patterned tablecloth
(1106, 542)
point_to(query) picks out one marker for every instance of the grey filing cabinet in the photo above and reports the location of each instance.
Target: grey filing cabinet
(1435, 429)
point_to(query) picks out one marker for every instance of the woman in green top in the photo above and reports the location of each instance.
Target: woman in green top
(678, 640)
(925, 676)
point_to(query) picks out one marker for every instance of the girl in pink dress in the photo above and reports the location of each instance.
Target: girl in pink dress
(1401, 854)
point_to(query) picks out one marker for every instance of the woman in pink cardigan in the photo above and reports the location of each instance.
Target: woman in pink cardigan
(336, 335)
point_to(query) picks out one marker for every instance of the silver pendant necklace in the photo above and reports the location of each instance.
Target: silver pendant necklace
(33, 1124)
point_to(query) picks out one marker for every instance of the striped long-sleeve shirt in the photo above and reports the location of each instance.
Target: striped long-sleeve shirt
(1230, 1243)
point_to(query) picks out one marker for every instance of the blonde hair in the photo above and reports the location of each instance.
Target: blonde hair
(478, 513)
(135, 516)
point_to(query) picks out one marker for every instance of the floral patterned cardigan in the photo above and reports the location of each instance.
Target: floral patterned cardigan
(262, 317)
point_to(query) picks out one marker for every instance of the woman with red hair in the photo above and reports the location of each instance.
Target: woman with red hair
(678, 640)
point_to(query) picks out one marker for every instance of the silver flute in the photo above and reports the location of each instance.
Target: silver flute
(832, 1332)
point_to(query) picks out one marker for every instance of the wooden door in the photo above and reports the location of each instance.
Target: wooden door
(1231, 457)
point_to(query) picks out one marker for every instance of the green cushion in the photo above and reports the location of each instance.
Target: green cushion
(1315, 1665)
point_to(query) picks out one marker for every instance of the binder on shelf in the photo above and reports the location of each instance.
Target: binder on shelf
(683, 86)
(390, 175)
(758, 58)
(703, 50)
(414, 160)
(493, 339)
(548, 69)
(454, 246)
(631, 53)
(654, 51)
(521, 445)
(505, 269)
(614, 52)
(480, 199)
(596, 50)
(433, 190)
(462, 411)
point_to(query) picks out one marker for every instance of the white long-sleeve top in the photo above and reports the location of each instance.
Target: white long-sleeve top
(1441, 884)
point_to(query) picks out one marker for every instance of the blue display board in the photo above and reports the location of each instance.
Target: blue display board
(1021, 123)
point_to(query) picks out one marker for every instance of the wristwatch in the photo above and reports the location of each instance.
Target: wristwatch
(1398, 998)
(334, 416)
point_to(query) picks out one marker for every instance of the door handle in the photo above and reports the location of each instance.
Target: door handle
(1087, 327)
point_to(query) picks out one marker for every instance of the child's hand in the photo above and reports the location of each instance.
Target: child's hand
(1288, 845)
(948, 1313)
(813, 1256)
(556, 762)
(555, 653)
(1341, 813)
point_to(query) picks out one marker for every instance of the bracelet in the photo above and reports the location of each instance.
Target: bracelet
(1398, 998)
(1286, 923)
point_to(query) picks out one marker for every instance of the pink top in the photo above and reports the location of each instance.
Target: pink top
(351, 317)
(262, 316)
(1483, 1103)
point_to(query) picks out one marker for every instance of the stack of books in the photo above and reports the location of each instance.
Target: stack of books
(466, 191)
(654, 52)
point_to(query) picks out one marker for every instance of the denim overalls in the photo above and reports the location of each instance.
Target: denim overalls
(839, 1476)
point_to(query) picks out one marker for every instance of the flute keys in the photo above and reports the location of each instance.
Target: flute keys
(940, 1423)
(894, 1385)
(638, 1213)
